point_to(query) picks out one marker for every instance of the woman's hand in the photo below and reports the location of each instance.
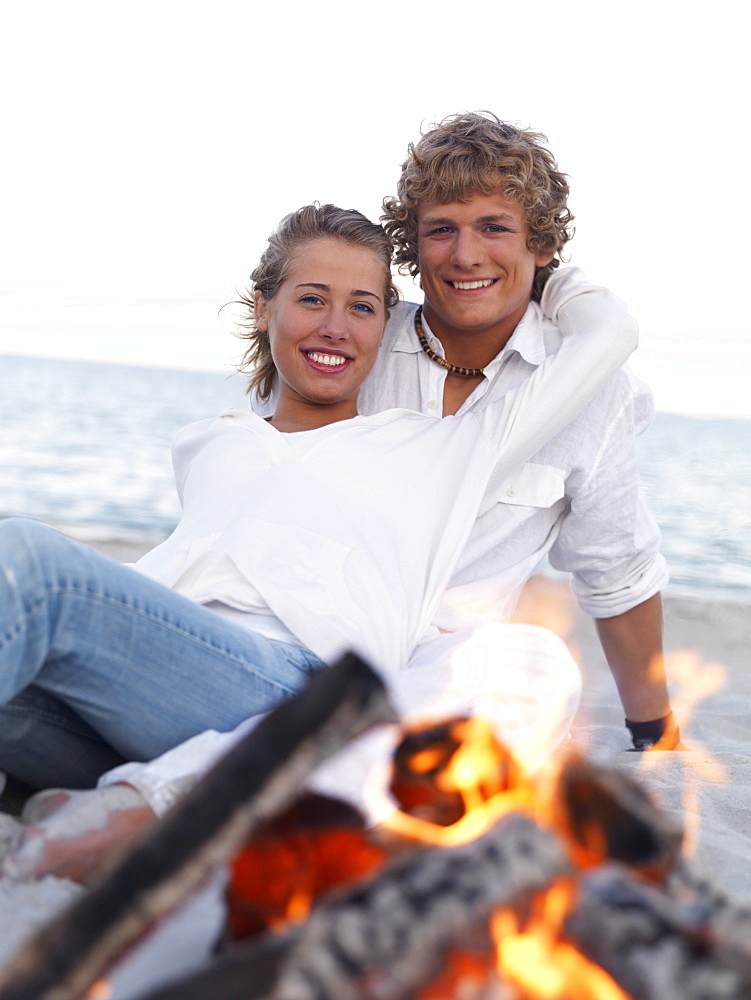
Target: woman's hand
(77, 834)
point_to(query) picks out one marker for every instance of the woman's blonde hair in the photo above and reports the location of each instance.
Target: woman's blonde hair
(307, 224)
(478, 152)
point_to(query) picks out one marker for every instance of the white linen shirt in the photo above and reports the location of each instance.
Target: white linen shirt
(575, 501)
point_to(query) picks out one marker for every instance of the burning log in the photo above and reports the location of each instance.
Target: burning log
(605, 815)
(394, 930)
(388, 937)
(657, 944)
(440, 772)
(314, 846)
(578, 895)
(252, 783)
(730, 929)
(446, 922)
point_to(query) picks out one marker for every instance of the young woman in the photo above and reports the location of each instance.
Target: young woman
(303, 535)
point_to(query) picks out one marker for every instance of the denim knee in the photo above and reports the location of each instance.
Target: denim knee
(33, 551)
(21, 537)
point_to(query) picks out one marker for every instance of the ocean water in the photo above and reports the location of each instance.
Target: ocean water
(86, 446)
(696, 480)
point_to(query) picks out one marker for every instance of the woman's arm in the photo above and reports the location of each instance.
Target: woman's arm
(77, 834)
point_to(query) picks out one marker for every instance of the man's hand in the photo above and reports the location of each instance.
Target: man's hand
(655, 734)
(77, 834)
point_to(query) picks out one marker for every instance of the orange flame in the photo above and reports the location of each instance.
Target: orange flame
(695, 679)
(543, 966)
(101, 990)
(465, 759)
(534, 957)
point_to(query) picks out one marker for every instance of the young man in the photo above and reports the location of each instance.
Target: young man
(481, 217)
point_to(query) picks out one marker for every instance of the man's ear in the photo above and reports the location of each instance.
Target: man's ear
(260, 311)
(541, 259)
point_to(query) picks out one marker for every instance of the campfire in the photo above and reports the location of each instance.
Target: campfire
(483, 885)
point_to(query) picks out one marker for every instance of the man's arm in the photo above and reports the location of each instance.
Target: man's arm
(632, 643)
(609, 542)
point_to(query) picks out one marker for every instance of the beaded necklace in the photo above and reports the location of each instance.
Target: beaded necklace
(453, 369)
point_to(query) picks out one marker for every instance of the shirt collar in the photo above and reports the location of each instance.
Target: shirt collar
(405, 341)
(527, 340)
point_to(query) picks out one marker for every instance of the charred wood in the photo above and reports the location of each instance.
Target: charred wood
(388, 937)
(656, 944)
(605, 815)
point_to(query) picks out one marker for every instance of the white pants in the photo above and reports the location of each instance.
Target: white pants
(521, 678)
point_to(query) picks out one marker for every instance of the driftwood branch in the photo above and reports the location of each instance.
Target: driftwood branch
(250, 784)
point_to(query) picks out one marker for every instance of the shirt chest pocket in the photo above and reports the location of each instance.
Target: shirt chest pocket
(532, 485)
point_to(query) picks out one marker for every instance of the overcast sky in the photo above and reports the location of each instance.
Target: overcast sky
(149, 148)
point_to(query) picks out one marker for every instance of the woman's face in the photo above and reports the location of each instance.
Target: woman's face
(326, 322)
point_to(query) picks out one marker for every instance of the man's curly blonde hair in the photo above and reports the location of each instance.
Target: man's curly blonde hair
(473, 152)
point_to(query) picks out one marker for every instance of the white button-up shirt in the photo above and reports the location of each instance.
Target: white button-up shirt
(577, 501)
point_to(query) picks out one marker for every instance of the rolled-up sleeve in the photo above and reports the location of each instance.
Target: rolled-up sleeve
(608, 540)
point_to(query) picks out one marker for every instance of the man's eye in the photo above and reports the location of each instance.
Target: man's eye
(497, 229)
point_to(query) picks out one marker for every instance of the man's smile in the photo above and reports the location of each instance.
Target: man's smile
(466, 286)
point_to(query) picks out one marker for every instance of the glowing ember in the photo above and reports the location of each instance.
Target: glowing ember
(464, 975)
(316, 845)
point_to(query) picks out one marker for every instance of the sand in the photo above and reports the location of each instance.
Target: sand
(706, 787)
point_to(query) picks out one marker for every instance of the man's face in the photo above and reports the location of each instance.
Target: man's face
(475, 268)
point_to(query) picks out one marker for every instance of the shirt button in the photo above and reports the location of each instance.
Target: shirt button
(432, 404)
(510, 491)
(433, 344)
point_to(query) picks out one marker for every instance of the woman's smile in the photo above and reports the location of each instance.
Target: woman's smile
(332, 362)
(325, 326)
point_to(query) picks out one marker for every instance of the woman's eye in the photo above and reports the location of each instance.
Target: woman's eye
(363, 307)
(310, 298)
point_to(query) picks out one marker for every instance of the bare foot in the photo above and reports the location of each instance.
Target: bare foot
(76, 835)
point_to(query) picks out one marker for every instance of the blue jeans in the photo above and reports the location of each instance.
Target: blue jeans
(98, 663)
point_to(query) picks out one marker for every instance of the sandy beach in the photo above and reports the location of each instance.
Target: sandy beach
(707, 786)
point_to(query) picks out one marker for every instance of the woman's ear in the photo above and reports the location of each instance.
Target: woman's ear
(260, 311)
